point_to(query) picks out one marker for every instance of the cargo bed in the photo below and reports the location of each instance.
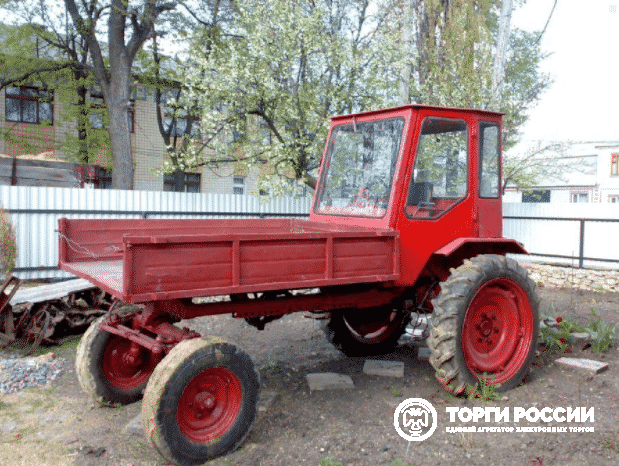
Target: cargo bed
(152, 260)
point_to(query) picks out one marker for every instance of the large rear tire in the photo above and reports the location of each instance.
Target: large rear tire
(200, 401)
(485, 321)
(366, 332)
(106, 372)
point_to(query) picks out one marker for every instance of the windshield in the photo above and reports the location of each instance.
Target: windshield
(360, 164)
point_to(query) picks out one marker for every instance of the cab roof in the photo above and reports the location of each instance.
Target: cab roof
(417, 107)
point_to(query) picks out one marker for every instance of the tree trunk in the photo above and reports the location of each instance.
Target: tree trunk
(117, 102)
(499, 59)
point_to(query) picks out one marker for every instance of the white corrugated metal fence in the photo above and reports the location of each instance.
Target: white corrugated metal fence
(549, 229)
(35, 212)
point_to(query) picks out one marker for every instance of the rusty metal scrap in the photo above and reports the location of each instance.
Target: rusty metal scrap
(48, 321)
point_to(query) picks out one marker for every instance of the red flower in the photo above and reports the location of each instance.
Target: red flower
(563, 340)
(559, 319)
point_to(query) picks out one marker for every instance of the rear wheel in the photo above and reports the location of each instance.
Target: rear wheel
(366, 332)
(485, 321)
(108, 371)
(201, 401)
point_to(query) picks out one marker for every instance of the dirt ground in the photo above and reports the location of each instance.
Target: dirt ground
(58, 425)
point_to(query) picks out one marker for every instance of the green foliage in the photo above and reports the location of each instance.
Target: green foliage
(603, 335)
(485, 389)
(267, 94)
(399, 462)
(557, 340)
(395, 392)
(611, 442)
(273, 367)
(8, 245)
(330, 461)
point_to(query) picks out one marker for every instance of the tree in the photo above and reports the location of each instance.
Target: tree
(287, 68)
(452, 49)
(115, 79)
(175, 116)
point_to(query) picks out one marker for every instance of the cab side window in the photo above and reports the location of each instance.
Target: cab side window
(489, 161)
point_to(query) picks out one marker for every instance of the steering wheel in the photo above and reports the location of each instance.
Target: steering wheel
(362, 199)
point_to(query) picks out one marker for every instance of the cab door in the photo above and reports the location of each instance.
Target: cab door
(489, 215)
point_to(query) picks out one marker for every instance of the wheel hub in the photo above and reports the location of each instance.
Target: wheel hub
(205, 401)
(496, 323)
(126, 365)
(209, 404)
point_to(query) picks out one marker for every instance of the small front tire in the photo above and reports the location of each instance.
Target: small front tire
(200, 401)
(104, 370)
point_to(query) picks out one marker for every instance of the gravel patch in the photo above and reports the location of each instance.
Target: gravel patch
(17, 374)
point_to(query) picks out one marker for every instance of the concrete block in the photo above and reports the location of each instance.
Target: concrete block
(329, 381)
(588, 365)
(384, 368)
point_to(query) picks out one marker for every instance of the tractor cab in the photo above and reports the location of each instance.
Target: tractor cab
(431, 173)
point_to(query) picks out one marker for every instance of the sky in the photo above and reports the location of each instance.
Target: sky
(583, 38)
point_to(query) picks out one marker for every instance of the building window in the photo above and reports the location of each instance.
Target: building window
(182, 182)
(536, 195)
(614, 165)
(238, 185)
(97, 105)
(181, 124)
(29, 105)
(613, 199)
(580, 197)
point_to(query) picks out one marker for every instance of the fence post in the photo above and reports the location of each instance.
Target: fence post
(581, 253)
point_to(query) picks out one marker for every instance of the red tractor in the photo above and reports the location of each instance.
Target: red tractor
(406, 219)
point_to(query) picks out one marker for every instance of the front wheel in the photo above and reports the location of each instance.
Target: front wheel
(485, 322)
(108, 371)
(200, 401)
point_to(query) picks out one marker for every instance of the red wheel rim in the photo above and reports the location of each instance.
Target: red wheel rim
(209, 404)
(372, 327)
(497, 332)
(123, 369)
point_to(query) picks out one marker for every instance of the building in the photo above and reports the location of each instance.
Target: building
(593, 177)
(31, 125)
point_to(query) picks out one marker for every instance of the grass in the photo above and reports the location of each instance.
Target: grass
(395, 392)
(330, 461)
(68, 343)
(485, 389)
(399, 462)
(273, 367)
(612, 442)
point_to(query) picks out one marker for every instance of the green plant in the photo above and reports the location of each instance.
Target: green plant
(603, 335)
(395, 392)
(330, 461)
(485, 389)
(558, 340)
(399, 462)
(8, 248)
(4, 404)
(273, 366)
(612, 442)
